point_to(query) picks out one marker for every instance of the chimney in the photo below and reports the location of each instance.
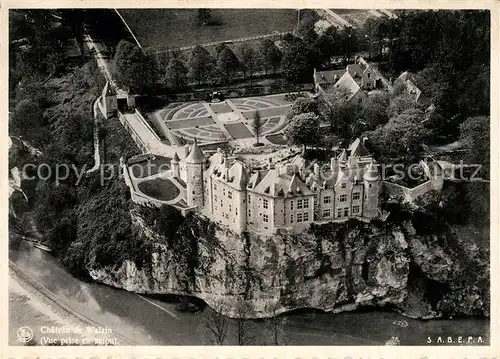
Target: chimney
(316, 170)
(333, 163)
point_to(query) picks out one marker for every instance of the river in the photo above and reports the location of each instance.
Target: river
(150, 321)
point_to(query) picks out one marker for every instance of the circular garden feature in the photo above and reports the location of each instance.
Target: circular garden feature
(161, 189)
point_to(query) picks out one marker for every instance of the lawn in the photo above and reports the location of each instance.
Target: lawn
(238, 130)
(161, 189)
(169, 28)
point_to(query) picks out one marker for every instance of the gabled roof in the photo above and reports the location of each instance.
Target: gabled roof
(275, 184)
(176, 158)
(328, 77)
(355, 69)
(347, 82)
(237, 176)
(195, 156)
(108, 90)
(357, 148)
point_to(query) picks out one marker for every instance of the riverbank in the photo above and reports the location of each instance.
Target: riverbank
(149, 322)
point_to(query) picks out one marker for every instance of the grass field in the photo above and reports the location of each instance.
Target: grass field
(170, 28)
(162, 189)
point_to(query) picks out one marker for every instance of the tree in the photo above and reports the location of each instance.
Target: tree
(257, 126)
(176, 74)
(134, 70)
(204, 16)
(200, 64)
(244, 327)
(26, 118)
(296, 64)
(227, 63)
(400, 104)
(374, 110)
(401, 137)
(327, 45)
(475, 136)
(341, 113)
(303, 105)
(249, 59)
(303, 130)
(271, 55)
(275, 326)
(215, 322)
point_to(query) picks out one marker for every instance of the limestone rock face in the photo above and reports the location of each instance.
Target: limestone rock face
(333, 267)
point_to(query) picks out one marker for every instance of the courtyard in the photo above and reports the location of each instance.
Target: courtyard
(227, 120)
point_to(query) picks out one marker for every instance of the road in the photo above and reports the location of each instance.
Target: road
(149, 321)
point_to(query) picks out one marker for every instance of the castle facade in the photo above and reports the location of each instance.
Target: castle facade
(284, 196)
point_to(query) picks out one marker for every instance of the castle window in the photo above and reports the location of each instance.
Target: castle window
(215, 198)
(343, 185)
(291, 206)
(299, 217)
(236, 210)
(339, 212)
(343, 198)
(248, 199)
(229, 194)
(327, 199)
(355, 196)
(291, 218)
(306, 203)
(221, 204)
(346, 212)
(299, 204)
(265, 218)
(193, 192)
(370, 185)
(223, 191)
(306, 216)
(369, 74)
(355, 209)
(230, 208)
(327, 213)
(215, 187)
(265, 204)
(249, 213)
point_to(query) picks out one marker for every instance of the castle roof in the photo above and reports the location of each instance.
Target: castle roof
(195, 156)
(108, 90)
(175, 159)
(356, 148)
(342, 156)
(276, 183)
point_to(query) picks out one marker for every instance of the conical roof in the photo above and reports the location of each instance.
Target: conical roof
(195, 155)
(176, 158)
(371, 172)
(343, 156)
(108, 90)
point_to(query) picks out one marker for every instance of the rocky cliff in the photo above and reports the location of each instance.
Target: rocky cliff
(333, 267)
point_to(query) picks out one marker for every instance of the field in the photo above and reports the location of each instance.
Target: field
(171, 28)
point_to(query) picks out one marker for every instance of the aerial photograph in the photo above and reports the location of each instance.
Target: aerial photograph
(253, 176)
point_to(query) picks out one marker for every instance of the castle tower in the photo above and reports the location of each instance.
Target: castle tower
(109, 101)
(371, 181)
(175, 166)
(195, 163)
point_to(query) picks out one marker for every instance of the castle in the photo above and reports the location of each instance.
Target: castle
(284, 196)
